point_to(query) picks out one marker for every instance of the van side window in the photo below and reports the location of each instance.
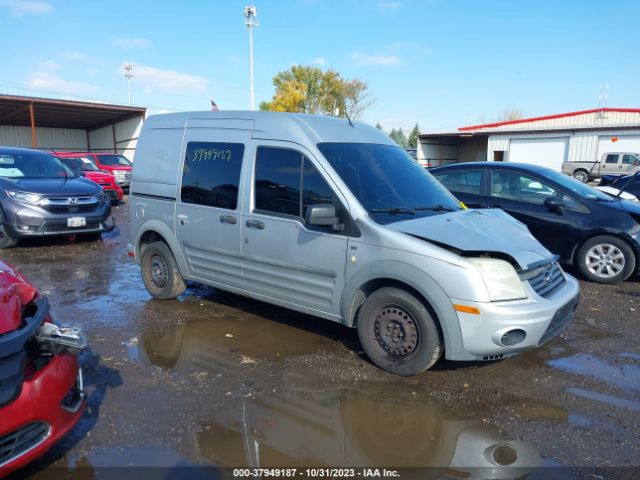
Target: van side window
(315, 189)
(277, 180)
(211, 174)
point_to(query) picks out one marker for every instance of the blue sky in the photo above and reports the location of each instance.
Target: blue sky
(442, 63)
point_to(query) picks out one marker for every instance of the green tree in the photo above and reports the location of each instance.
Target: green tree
(399, 137)
(306, 89)
(412, 141)
(379, 126)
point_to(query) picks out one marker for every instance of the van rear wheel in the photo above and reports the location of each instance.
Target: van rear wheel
(398, 332)
(160, 272)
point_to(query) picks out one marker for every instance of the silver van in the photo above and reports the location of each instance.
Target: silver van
(335, 220)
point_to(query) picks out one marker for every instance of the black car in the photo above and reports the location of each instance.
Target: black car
(585, 227)
(630, 183)
(39, 196)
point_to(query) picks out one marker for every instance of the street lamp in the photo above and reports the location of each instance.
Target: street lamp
(250, 20)
(128, 73)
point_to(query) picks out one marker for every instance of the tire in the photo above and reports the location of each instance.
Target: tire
(606, 259)
(581, 175)
(412, 343)
(6, 240)
(160, 272)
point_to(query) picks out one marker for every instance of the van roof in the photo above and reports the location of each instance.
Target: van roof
(292, 127)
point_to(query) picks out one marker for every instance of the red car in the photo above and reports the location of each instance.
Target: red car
(41, 391)
(85, 167)
(117, 165)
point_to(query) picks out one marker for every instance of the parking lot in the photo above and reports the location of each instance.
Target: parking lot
(218, 379)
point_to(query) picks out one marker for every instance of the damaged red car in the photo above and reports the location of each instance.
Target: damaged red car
(41, 389)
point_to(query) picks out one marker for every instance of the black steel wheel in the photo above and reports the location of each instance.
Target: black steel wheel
(398, 332)
(160, 272)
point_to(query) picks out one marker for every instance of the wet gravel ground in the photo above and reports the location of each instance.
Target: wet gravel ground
(218, 379)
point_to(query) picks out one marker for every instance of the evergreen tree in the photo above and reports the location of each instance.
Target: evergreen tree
(413, 137)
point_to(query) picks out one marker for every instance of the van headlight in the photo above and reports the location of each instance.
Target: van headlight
(502, 280)
(25, 197)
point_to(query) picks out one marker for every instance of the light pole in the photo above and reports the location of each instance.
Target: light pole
(250, 20)
(128, 73)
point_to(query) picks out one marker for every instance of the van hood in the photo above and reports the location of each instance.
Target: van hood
(489, 230)
(52, 186)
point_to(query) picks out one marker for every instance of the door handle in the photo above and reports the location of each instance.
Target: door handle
(255, 224)
(230, 219)
(182, 219)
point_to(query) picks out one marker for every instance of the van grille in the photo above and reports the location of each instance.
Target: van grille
(560, 320)
(21, 440)
(545, 280)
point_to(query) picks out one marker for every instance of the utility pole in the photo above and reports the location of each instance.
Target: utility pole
(250, 21)
(128, 73)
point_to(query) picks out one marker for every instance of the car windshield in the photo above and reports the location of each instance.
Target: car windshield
(584, 191)
(114, 160)
(34, 164)
(80, 164)
(387, 182)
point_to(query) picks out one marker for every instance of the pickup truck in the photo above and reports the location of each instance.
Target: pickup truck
(621, 163)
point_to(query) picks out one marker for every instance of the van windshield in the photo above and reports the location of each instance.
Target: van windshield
(387, 182)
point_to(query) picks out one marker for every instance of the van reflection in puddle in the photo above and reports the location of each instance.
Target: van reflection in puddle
(350, 429)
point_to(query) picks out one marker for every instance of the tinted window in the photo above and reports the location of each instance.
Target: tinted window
(315, 188)
(466, 181)
(114, 160)
(612, 158)
(516, 186)
(387, 182)
(211, 174)
(277, 180)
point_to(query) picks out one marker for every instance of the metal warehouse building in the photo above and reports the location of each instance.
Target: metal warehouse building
(547, 141)
(65, 125)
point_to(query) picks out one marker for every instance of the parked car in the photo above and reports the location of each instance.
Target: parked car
(39, 196)
(626, 183)
(334, 219)
(117, 165)
(585, 227)
(41, 390)
(86, 168)
(611, 162)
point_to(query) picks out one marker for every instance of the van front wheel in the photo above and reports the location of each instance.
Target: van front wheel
(160, 272)
(398, 332)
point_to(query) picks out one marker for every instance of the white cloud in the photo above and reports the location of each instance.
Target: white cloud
(73, 56)
(387, 6)
(21, 7)
(124, 42)
(49, 66)
(380, 60)
(319, 61)
(54, 84)
(167, 80)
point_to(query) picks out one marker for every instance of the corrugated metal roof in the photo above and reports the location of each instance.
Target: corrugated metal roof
(55, 113)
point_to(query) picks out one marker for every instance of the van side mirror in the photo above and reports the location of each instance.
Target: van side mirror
(321, 215)
(554, 205)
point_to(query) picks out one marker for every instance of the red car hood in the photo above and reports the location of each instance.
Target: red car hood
(15, 293)
(99, 176)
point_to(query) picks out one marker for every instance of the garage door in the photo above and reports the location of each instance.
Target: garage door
(620, 143)
(546, 152)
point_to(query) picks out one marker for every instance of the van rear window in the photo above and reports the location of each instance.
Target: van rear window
(211, 174)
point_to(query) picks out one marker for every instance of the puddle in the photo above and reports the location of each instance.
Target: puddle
(624, 376)
(203, 335)
(541, 410)
(605, 399)
(349, 429)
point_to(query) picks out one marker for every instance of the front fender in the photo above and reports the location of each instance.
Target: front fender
(161, 228)
(420, 281)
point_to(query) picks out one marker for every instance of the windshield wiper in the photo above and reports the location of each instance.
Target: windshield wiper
(394, 211)
(438, 208)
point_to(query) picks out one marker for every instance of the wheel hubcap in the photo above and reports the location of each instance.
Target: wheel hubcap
(159, 271)
(396, 330)
(605, 260)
